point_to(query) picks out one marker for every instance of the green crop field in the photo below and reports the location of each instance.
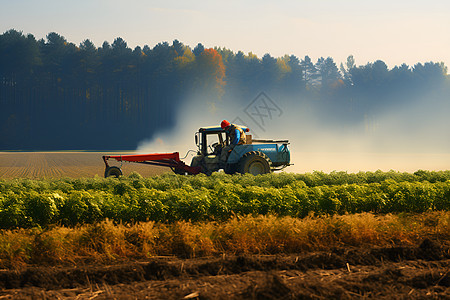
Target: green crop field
(168, 198)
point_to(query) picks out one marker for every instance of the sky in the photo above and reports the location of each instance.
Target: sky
(394, 31)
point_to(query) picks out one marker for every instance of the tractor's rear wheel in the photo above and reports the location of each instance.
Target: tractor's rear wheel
(254, 162)
(113, 171)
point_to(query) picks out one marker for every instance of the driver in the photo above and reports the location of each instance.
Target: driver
(237, 137)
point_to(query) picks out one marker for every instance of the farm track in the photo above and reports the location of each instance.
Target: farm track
(36, 165)
(421, 272)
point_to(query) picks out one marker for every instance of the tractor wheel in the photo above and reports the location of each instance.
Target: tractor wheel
(113, 171)
(179, 171)
(230, 169)
(254, 162)
(199, 161)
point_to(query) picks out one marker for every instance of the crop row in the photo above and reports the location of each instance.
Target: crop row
(170, 181)
(168, 198)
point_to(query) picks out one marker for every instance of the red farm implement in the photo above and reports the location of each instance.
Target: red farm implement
(170, 160)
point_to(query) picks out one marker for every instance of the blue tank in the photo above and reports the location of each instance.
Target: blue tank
(276, 151)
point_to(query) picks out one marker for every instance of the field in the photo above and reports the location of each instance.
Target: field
(265, 257)
(62, 164)
(279, 236)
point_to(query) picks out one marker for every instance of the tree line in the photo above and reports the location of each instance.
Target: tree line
(57, 95)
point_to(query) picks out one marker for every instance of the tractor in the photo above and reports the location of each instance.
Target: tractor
(256, 157)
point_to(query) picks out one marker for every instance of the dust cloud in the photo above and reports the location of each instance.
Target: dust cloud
(407, 137)
(196, 112)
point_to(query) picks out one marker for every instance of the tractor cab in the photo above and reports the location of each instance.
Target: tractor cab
(210, 140)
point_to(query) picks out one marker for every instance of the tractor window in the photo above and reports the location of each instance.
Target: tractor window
(213, 141)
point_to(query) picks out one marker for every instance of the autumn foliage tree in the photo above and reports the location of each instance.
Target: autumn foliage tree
(211, 72)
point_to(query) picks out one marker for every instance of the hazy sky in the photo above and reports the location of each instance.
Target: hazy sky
(395, 31)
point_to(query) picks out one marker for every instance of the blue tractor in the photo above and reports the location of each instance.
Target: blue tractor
(255, 157)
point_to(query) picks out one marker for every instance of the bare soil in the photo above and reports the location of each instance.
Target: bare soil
(64, 164)
(421, 272)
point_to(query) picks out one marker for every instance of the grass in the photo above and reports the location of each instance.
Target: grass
(107, 242)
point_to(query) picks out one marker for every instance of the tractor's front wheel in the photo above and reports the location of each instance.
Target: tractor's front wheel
(113, 171)
(179, 171)
(230, 169)
(255, 163)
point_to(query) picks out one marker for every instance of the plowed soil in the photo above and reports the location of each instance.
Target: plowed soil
(64, 164)
(421, 272)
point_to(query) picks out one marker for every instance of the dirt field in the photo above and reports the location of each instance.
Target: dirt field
(63, 164)
(421, 272)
